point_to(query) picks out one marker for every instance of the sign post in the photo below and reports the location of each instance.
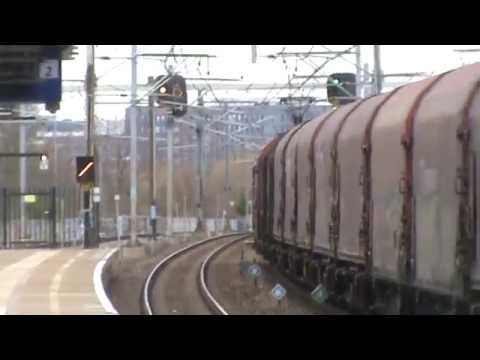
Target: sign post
(279, 292)
(86, 178)
(255, 272)
(117, 216)
(96, 195)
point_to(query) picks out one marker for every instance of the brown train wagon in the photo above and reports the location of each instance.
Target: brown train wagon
(260, 191)
(444, 240)
(324, 197)
(290, 180)
(279, 185)
(270, 194)
(257, 204)
(353, 244)
(304, 191)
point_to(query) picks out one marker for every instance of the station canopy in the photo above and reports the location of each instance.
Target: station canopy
(28, 52)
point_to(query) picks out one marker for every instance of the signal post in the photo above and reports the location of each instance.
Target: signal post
(172, 95)
(86, 178)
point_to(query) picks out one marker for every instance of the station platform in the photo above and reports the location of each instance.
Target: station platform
(50, 282)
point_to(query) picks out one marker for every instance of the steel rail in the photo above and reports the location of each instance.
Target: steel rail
(148, 285)
(206, 293)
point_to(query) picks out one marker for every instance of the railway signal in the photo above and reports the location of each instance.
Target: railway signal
(341, 88)
(173, 94)
(86, 170)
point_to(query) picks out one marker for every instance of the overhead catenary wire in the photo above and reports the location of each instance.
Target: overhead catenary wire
(312, 74)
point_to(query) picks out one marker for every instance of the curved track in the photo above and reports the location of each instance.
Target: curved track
(178, 284)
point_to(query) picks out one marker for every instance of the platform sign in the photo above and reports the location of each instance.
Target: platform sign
(319, 294)
(36, 79)
(278, 292)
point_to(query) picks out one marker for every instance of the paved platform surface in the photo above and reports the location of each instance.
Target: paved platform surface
(49, 282)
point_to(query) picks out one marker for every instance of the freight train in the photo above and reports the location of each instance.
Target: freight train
(376, 201)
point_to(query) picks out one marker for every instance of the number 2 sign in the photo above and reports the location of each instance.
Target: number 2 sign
(49, 69)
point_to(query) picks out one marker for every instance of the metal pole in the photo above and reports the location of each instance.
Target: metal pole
(153, 161)
(227, 157)
(90, 84)
(217, 215)
(55, 152)
(169, 174)
(359, 80)
(185, 220)
(62, 221)
(133, 151)
(377, 69)
(5, 217)
(227, 178)
(117, 218)
(96, 205)
(200, 193)
(254, 54)
(54, 216)
(23, 171)
(367, 80)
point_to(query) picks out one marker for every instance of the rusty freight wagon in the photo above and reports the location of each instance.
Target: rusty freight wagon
(377, 200)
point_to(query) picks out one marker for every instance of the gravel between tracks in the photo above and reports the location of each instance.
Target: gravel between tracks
(228, 281)
(235, 289)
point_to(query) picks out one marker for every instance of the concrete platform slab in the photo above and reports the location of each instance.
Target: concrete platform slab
(49, 282)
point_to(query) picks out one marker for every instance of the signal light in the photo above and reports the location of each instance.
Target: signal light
(85, 170)
(341, 88)
(174, 90)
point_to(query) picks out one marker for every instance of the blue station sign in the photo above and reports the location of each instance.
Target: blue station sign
(31, 77)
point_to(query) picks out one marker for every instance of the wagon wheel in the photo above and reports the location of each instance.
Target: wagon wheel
(351, 293)
(394, 305)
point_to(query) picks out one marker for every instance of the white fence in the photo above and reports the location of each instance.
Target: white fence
(179, 225)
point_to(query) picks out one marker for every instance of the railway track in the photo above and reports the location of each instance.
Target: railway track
(178, 284)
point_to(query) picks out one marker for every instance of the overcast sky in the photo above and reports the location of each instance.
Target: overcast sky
(234, 61)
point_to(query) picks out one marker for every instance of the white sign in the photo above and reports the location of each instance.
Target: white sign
(279, 292)
(44, 164)
(116, 197)
(96, 194)
(255, 270)
(153, 212)
(49, 69)
(320, 294)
